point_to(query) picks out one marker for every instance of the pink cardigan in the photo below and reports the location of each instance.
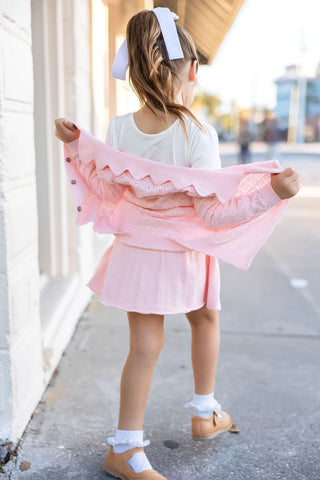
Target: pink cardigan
(227, 213)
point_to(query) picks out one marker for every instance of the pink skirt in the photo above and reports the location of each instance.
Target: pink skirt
(149, 281)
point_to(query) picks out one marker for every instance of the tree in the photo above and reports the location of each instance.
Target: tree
(208, 102)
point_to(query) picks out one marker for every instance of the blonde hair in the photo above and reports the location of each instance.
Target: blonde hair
(152, 75)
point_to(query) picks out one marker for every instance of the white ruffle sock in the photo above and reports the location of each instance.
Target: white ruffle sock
(203, 405)
(127, 439)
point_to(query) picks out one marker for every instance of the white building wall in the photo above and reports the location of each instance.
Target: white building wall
(21, 379)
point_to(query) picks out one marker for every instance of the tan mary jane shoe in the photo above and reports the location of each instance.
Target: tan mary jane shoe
(206, 428)
(116, 464)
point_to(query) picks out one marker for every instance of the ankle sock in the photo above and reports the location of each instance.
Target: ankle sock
(127, 439)
(204, 405)
(203, 400)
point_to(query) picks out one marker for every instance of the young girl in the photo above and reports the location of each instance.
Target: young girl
(145, 280)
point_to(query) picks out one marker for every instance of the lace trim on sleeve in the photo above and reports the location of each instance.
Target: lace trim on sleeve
(238, 210)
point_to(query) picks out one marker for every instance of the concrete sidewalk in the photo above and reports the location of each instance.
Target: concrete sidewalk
(268, 379)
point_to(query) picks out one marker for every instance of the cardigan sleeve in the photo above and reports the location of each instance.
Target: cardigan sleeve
(217, 216)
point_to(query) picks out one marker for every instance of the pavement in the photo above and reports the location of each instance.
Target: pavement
(268, 374)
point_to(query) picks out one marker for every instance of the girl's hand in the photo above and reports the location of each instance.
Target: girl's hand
(286, 184)
(66, 131)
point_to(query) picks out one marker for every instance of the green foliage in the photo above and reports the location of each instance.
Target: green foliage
(209, 102)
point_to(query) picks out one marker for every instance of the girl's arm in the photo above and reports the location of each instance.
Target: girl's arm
(215, 215)
(66, 131)
(69, 133)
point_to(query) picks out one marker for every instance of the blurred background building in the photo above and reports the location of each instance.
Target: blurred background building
(246, 78)
(298, 105)
(56, 58)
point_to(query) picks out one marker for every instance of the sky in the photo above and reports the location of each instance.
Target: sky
(266, 36)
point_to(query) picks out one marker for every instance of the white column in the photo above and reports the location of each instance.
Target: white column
(47, 36)
(61, 53)
(78, 108)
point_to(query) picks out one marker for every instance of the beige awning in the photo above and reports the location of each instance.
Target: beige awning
(208, 21)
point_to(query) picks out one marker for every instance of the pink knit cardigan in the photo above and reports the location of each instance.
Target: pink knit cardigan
(226, 213)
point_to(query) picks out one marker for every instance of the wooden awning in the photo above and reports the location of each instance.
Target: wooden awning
(208, 21)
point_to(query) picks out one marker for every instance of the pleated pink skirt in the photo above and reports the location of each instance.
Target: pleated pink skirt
(155, 281)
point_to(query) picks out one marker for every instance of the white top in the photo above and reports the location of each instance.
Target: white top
(168, 146)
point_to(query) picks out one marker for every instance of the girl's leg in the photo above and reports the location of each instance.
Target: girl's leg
(146, 342)
(208, 420)
(205, 330)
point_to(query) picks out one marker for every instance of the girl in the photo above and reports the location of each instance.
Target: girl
(149, 282)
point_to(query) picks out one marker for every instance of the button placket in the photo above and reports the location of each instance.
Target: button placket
(73, 182)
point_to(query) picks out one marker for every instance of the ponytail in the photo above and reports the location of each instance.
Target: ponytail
(153, 76)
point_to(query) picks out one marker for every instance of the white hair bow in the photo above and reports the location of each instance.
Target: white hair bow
(169, 32)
